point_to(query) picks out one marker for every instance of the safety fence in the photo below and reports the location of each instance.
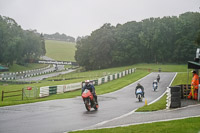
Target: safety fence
(27, 92)
(11, 94)
(17, 82)
(26, 74)
(49, 90)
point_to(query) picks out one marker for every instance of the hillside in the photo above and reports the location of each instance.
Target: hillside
(60, 50)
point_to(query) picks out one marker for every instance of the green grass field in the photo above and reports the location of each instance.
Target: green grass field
(60, 50)
(189, 125)
(18, 68)
(159, 105)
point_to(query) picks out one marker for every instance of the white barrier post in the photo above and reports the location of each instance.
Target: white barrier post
(168, 100)
(120, 75)
(106, 79)
(99, 81)
(60, 89)
(71, 87)
(111, 77)
(44, 91)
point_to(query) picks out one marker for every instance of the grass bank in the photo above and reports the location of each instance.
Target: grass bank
(19, 68)
(159, 105)
(189, 125)
(60, 50)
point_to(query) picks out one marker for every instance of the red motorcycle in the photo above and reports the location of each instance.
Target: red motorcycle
(89, 100)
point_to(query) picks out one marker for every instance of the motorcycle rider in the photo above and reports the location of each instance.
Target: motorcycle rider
(91, 88)
(139, 86)
(158, 78)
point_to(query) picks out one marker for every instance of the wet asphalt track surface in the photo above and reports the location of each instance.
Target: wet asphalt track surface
(57, 116)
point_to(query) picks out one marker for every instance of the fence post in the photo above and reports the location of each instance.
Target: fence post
(2, 96)
(22, 93)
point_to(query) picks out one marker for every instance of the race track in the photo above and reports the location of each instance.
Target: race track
(57, 116)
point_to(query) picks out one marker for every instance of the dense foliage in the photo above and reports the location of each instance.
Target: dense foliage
(17, 45)
(59, 37)
(154, 40)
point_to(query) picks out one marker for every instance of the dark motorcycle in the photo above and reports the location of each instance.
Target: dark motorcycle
(158, 78)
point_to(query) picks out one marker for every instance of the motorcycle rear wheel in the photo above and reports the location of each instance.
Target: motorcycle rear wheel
(140, 98)
(96, 107)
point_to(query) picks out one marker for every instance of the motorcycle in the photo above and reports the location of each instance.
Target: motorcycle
(155, 86)
(139, 95)
(89, 100)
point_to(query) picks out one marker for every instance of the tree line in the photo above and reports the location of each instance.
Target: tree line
(59, 37)
(154, 40)
(18, 45)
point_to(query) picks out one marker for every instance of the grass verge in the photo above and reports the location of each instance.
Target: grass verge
(159, 105)
(189, 125)
(19, 68)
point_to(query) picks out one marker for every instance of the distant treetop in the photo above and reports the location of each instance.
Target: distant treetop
(59, 37)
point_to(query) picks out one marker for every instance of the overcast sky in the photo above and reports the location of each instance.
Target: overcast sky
(81, 17)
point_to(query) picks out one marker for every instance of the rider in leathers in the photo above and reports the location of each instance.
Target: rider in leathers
(91, 88)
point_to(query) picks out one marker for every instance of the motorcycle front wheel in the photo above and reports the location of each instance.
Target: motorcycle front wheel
(87, 105)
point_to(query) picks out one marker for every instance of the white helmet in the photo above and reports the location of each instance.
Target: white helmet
(155, 81)
(87, 82)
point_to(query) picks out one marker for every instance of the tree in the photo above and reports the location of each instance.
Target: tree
(154, 40)
(16, 45)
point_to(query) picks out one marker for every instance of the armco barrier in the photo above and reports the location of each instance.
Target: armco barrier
(48, 90)
(44, 91)
(21, 75)
(72, 87)
(60, 89)
(52, 90)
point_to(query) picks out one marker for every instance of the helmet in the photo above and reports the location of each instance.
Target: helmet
(155, 80)
(194, 71)
(87, 82)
